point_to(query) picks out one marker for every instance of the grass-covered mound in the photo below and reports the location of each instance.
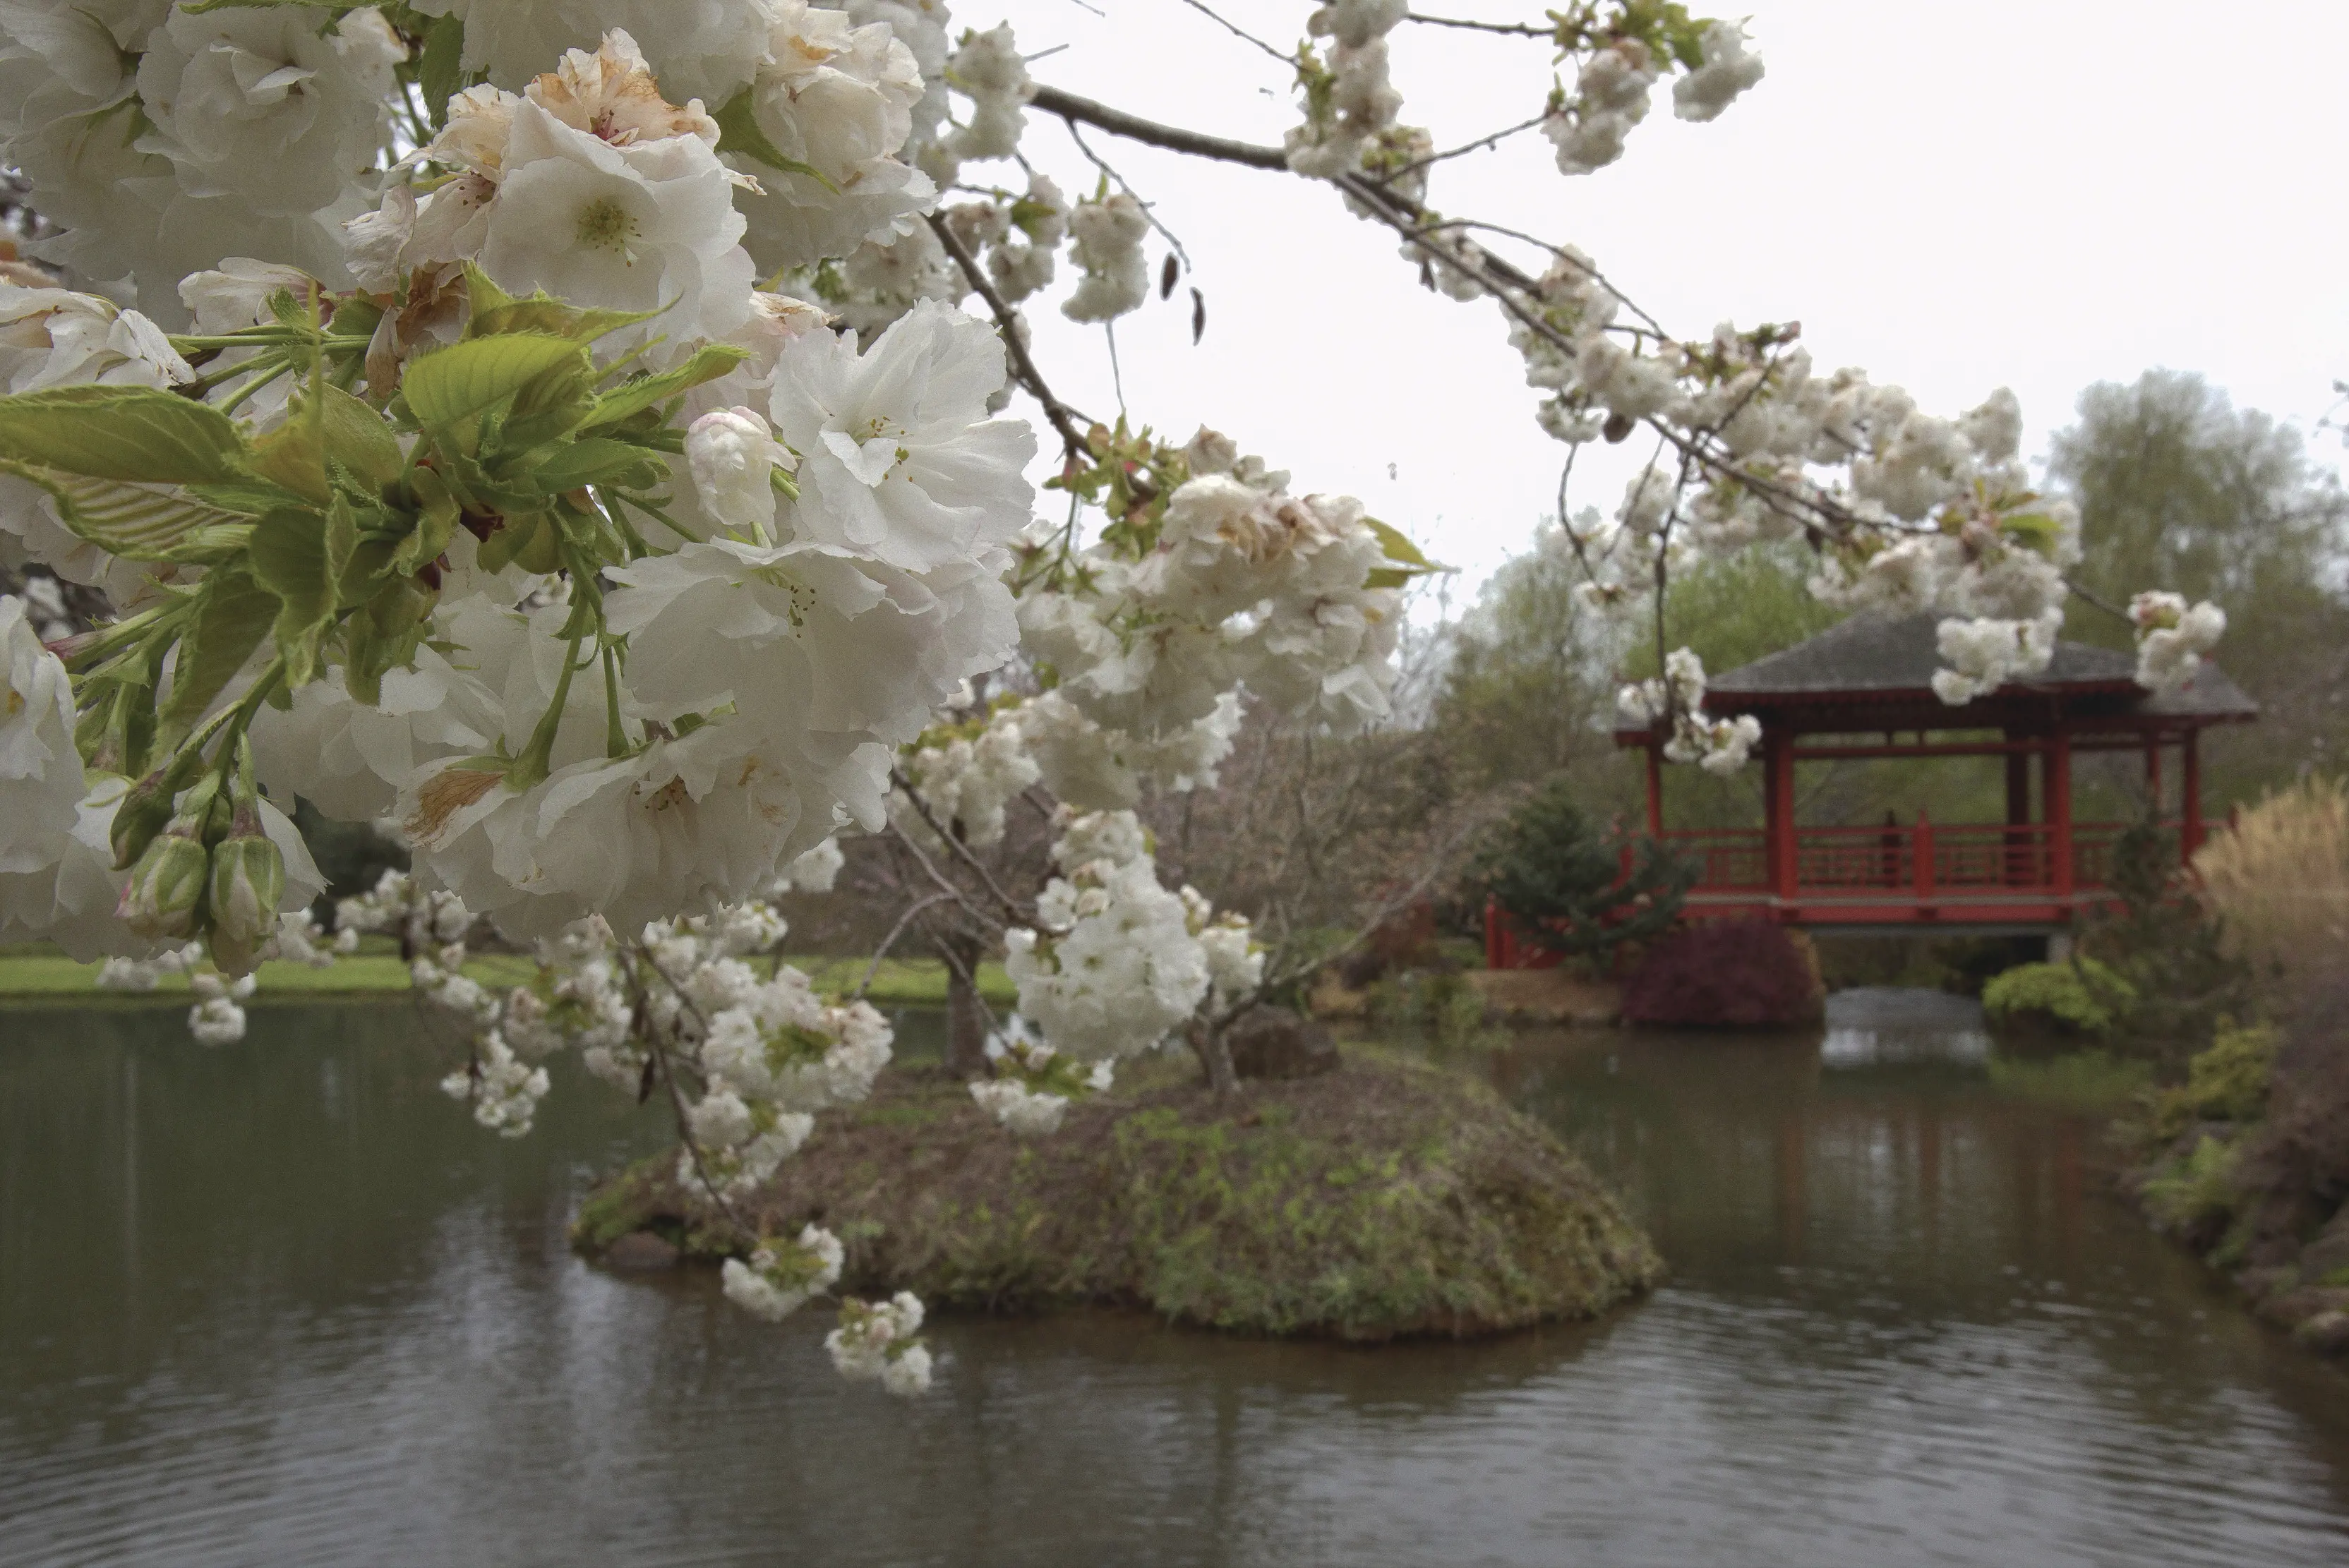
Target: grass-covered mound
(1387, 1198)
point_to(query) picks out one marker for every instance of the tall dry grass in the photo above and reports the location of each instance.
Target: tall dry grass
(2279, 878)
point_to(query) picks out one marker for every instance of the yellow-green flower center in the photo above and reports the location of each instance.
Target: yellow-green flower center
(606, 225)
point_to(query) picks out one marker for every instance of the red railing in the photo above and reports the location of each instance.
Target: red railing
(1918, 861)
(1919, 872)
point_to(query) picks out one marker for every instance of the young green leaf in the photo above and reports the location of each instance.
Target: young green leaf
(358, 439)
(137, 522)
(546, 314)
(595, 461)
(232, 623)
(1397, 546)
(292, 557)
(135, 434)
(629, 397)
(445, 388)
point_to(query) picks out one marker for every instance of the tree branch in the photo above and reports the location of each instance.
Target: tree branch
(1507, 29)
(1117, 122)
(889, 942)
(962, 852)
(1064, 419)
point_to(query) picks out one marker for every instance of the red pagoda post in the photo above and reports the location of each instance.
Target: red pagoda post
(1778, 751)
(2059, 808)
(2190, 805)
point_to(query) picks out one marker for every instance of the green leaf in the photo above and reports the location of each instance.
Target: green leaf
(446, 388)
(546, 314)
(137, 522)
(135, 434)
(384, 636)
(233, 619)
(597, 461)
(1396, 545)
(629, 397)
(2033, 530)
(291, 555)
(371, 560)
(481, 291)
(738, 131)
(360, 439)
(294, 455)
(440, 70)
(249, 497)
(436, 523)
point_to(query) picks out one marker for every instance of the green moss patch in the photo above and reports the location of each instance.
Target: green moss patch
(1389, 1198)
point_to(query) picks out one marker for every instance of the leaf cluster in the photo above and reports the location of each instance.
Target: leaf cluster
(323, 537)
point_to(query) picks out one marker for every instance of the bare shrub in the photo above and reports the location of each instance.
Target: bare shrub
(2279, 879)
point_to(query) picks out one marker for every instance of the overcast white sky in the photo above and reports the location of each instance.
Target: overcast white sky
(2039, 195)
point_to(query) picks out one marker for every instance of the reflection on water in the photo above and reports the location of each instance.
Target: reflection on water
(1877, 1025)
(282, 1303)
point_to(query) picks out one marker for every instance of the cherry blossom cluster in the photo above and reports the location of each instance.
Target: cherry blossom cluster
(778, 1277)
(1677, 700)
(1033, 1086)
(1119, 961)
(1236, 583)
(2172, 637)
(877, 1342)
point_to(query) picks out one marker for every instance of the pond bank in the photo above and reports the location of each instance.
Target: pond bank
(39, 975)
(2247, 1165)
(1384, 1200)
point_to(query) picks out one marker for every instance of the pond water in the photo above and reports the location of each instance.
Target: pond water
(281, 1302)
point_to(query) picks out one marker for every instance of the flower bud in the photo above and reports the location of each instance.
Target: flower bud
(166, 891)
(248, 878)
(731, 453)
(144, 810)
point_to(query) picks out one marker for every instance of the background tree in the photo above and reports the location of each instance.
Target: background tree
(2178, 487)
(1563, 883)
(1529, 679)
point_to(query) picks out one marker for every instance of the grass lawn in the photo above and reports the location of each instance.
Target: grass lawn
(38, 975)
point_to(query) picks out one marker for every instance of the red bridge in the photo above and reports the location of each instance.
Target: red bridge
(1863, 690)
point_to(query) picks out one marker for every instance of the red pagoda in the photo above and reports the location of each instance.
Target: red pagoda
(1864, 690)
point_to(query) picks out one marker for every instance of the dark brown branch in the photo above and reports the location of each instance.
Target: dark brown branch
(1508, 283)
(1065, 419)
(1117, 122)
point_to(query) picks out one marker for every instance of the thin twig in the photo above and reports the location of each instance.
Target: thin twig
(668, 1073)
(1816, 511)
(1148, 211)
(962, 851)
(1416, 164)
(890, 940)
(1510, 29)
(2095, 601)
(1237, 31)
(938, 877)
(1064, 419)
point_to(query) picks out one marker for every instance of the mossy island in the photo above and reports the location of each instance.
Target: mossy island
(1387, 1198)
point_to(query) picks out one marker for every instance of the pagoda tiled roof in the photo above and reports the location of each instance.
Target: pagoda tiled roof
(1876, 657)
